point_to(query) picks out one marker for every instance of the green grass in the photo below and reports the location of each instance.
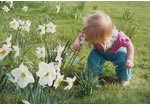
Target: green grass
(138, 92)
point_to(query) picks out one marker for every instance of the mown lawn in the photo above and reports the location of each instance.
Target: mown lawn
(131, 17)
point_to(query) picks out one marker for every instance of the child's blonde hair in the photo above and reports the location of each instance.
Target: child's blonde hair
(98, 28)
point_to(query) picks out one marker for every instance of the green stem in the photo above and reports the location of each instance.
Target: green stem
(39, 102)
(16, 97)
(48, 97)
(31, 93)
(70, 60)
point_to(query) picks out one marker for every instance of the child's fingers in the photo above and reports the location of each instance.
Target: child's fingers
(129, 65)
(77, 48)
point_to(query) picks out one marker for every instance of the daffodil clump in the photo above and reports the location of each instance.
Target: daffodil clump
(49, 74)
(20, 24)
(47, 28)
(7, 8)
(7, 48)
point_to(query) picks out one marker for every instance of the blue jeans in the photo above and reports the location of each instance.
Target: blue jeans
(97, 57)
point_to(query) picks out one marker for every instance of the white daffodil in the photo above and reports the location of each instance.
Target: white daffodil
(16, 48)
(21, 24)
(14, 24)
(24, 25)
(9, 41)
(58, 80)
(84, 42)
(58, 58)
(42, 28)
(50, 27)
(25, 8)
(22, 76)
(5, 8)
(47, 73)
(10, 4)
(27, 25)
(4, 51)
(57, 8)
(70, 82)
(58, 66)
(41, 52)
(60, 50)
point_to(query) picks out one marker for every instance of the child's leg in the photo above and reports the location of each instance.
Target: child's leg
(119, 60)
(95, 63)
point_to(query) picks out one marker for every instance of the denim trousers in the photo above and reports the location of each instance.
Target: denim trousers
(97, 57)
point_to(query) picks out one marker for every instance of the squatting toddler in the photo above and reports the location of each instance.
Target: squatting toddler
(108, 44)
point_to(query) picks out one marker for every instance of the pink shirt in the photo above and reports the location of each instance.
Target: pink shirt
(121, 40)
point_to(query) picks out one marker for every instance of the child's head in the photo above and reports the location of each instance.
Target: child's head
(98, 28)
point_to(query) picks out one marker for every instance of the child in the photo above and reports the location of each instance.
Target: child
(108, 44)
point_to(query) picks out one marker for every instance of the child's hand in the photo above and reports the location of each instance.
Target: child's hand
(129, 63)
(76, 45)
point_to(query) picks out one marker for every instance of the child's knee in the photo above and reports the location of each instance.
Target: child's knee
(121, 58)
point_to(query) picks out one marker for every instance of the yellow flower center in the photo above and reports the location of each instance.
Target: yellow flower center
(60, 65)
(73, 83)
(60, 52)
(41, 51)
(58, 82)
(14, 24)
(23, 74)
(3, 52)
(47, 74)
(51, 27)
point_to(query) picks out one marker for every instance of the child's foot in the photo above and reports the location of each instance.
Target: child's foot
(124, 82)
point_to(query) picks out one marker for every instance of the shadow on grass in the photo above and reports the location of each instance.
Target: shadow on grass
(86, 85)
(108, 80)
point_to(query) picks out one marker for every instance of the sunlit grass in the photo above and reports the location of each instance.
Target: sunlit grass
(111, 92)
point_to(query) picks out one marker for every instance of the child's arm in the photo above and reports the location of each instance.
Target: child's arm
(76, 45)
(130, 55)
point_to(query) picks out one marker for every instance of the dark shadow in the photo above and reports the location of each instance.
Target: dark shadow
(108, 79)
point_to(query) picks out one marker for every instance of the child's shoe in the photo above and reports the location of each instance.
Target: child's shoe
(97, 78)
(124, 82)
